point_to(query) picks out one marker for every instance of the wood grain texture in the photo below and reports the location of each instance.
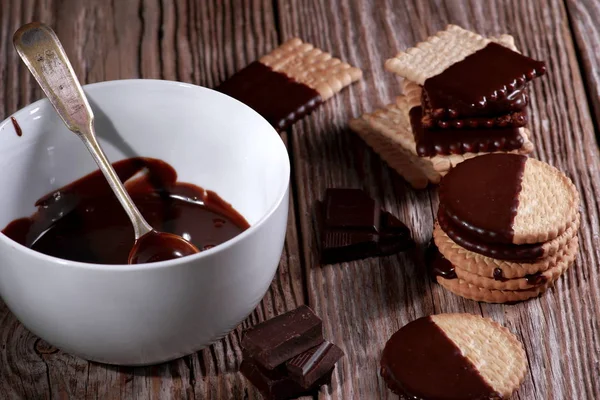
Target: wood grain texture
(201, 42)
(584, 18)
(364, 302)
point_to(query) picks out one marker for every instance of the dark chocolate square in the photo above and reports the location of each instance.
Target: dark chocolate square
(278, 339)
(308, 367)
(278, 385)
(354, 227)
(351, 208)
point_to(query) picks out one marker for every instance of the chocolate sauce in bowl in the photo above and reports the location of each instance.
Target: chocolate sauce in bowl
(84, 221)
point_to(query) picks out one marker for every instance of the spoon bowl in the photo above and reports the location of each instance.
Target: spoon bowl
(157, 246)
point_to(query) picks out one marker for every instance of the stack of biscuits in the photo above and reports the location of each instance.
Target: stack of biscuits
(506, 230)
(464, 96)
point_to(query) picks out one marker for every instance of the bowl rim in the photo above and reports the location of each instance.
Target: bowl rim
(281, 191)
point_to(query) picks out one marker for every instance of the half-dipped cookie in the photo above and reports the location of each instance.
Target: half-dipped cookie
(506, 199)
(453, 356)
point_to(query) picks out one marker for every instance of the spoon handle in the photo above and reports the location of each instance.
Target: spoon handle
(45, 57)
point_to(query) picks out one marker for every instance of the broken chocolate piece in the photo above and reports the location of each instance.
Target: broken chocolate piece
(277, 384)
(490, 75)
(354, 227)
(278, 339)
(308, 367)
(351, 208)
(278, 98)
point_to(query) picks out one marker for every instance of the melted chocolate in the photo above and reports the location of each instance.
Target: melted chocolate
(431, 142)
(536, 279)
(279, 99)
(84, 221)
(159, 246)
(485, 77)
(499, 275)
(499, 251)
(421, 362)
(481, 196)
(438, 264)
(17, 127)
(514, 103)
(511, 120)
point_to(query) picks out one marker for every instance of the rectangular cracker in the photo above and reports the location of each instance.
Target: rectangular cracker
(313, 67)
(413, 90)
(436, 54)
(289, 82)
(389, 133)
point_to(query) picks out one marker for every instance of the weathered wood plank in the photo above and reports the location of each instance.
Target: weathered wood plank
(364, 302)
(191, 41)
(584, 18)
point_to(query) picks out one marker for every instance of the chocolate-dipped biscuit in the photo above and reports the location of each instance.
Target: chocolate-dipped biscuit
(453, 356)
(508, 199)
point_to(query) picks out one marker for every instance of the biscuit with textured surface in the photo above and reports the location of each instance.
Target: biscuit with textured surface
(389, 133)
(311, 66)
(466, 355)
(484, 266)
(472, 292)
(548, 204)
(495, 351)
(529, 281)
(436, 54)
(545, 200)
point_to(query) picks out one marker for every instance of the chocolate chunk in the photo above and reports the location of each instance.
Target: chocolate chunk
(351, 208)
(354, 227)
(278, 98)
(485, 77)
(277, 384)
(308, 367)
(278, 339)
(431, 142)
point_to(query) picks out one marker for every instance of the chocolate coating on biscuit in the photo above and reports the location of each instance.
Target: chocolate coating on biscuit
(453, 140)
(480, 196)
(421, 362)
(486, 77)
(499, 251)
(281, 100)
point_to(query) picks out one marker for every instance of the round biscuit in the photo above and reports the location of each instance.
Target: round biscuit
(548, 204)
(564, 259)
(495, 352)
(484, 266)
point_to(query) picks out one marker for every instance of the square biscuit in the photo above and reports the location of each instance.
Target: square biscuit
(388, 131)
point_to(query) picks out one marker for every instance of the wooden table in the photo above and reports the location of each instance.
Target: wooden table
(364, 302)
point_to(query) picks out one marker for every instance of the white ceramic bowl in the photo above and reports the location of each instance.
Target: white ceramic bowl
(149, 313)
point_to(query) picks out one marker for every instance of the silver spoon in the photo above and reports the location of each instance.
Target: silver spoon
(45, 57)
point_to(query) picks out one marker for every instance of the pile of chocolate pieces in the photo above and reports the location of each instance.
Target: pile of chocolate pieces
(287, 356)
